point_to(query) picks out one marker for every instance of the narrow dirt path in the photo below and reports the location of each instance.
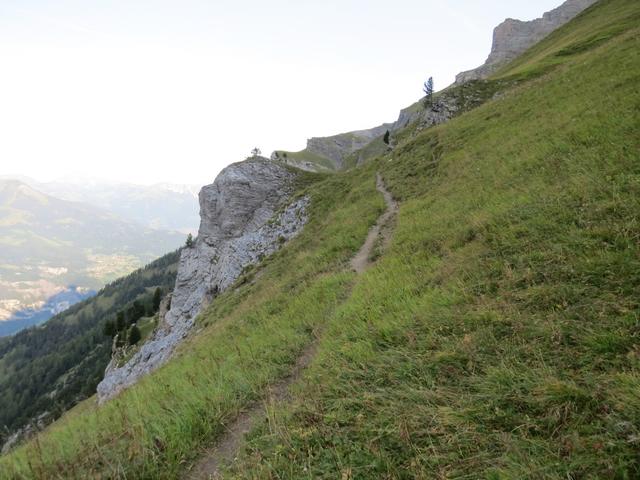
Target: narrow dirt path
(228, 445)
(380, 232)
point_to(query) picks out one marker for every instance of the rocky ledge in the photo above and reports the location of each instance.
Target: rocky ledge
(245, 214)
(514, 37)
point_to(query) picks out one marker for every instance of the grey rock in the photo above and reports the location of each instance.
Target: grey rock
(25, 433)
(242, 220)
(442, 110)
(510, 39)
(513, 37)
(338, 147)
(334, 150)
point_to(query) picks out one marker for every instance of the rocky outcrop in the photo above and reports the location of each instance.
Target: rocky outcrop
(513, 37)
(338, 147)
(510, 39)
(442, 110)
(330, 153)
(25, 433)
(246, 214)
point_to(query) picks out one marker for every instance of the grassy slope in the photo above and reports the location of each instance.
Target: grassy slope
(51, 367)
(497, 338)
(321, 163)
(253, 335)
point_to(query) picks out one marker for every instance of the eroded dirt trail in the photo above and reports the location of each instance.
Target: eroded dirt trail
(381, 231)
(228, 445)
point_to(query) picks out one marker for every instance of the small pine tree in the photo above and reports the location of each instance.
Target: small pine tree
(137, 311)
(134, 335)
(157, 298)
(110, 328)
(255, 152)
(120, 323)
(385, 139)
(428, 92)
(189, 242)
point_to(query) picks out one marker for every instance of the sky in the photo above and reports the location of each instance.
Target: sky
(173, 91)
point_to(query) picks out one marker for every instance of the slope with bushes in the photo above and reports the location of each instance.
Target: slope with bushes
(49, 368)
(497, 337)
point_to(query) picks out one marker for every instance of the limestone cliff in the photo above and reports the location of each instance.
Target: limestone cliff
(337, 147)
(246, 213)
(330, 153)
(441, 111)
(513, 37)
(510, 39)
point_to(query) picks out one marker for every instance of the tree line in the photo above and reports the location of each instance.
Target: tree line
(51, 367)
(124, 324)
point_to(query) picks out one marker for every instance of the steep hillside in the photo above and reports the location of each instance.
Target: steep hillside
(514, 37)
(497, 336)
(46, 370)
(247, 213)
(330, 153)
(48, 245)
(511, 39)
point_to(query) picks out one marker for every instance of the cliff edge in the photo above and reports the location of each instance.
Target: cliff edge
(513, 37)
(246, 213)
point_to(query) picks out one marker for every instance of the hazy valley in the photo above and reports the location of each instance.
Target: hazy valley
(55, 252)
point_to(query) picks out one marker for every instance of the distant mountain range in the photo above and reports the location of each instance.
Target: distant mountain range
(48, 244)
(163, 206)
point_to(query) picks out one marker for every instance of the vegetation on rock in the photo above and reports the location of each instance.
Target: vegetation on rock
(52, 367)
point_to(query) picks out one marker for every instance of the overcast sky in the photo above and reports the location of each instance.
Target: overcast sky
(173, 91)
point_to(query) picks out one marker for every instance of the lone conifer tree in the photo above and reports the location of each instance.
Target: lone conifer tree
(134, 335)
(137, 311)
(157, 297)
(385, 139)
(110, 328)
(428, 92)
(255, 152)
(120, 322)
(189, 242)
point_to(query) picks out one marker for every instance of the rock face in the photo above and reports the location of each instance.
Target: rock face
(330, 153)
(513, 37)
(338, 147)
(510, 39)
(441, 111)
(239, 225)
(26, 432)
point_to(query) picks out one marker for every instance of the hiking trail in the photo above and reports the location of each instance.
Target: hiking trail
(228, 445)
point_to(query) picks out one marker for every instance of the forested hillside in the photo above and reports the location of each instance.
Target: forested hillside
(50, 246)
(50, 368)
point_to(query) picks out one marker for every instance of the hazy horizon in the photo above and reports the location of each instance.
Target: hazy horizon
(167, 92)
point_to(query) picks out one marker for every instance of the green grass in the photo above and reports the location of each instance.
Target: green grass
(253, 334)
(374, 149)
(497, 337)
(592, 28)
(322, 163)
(146, 326)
